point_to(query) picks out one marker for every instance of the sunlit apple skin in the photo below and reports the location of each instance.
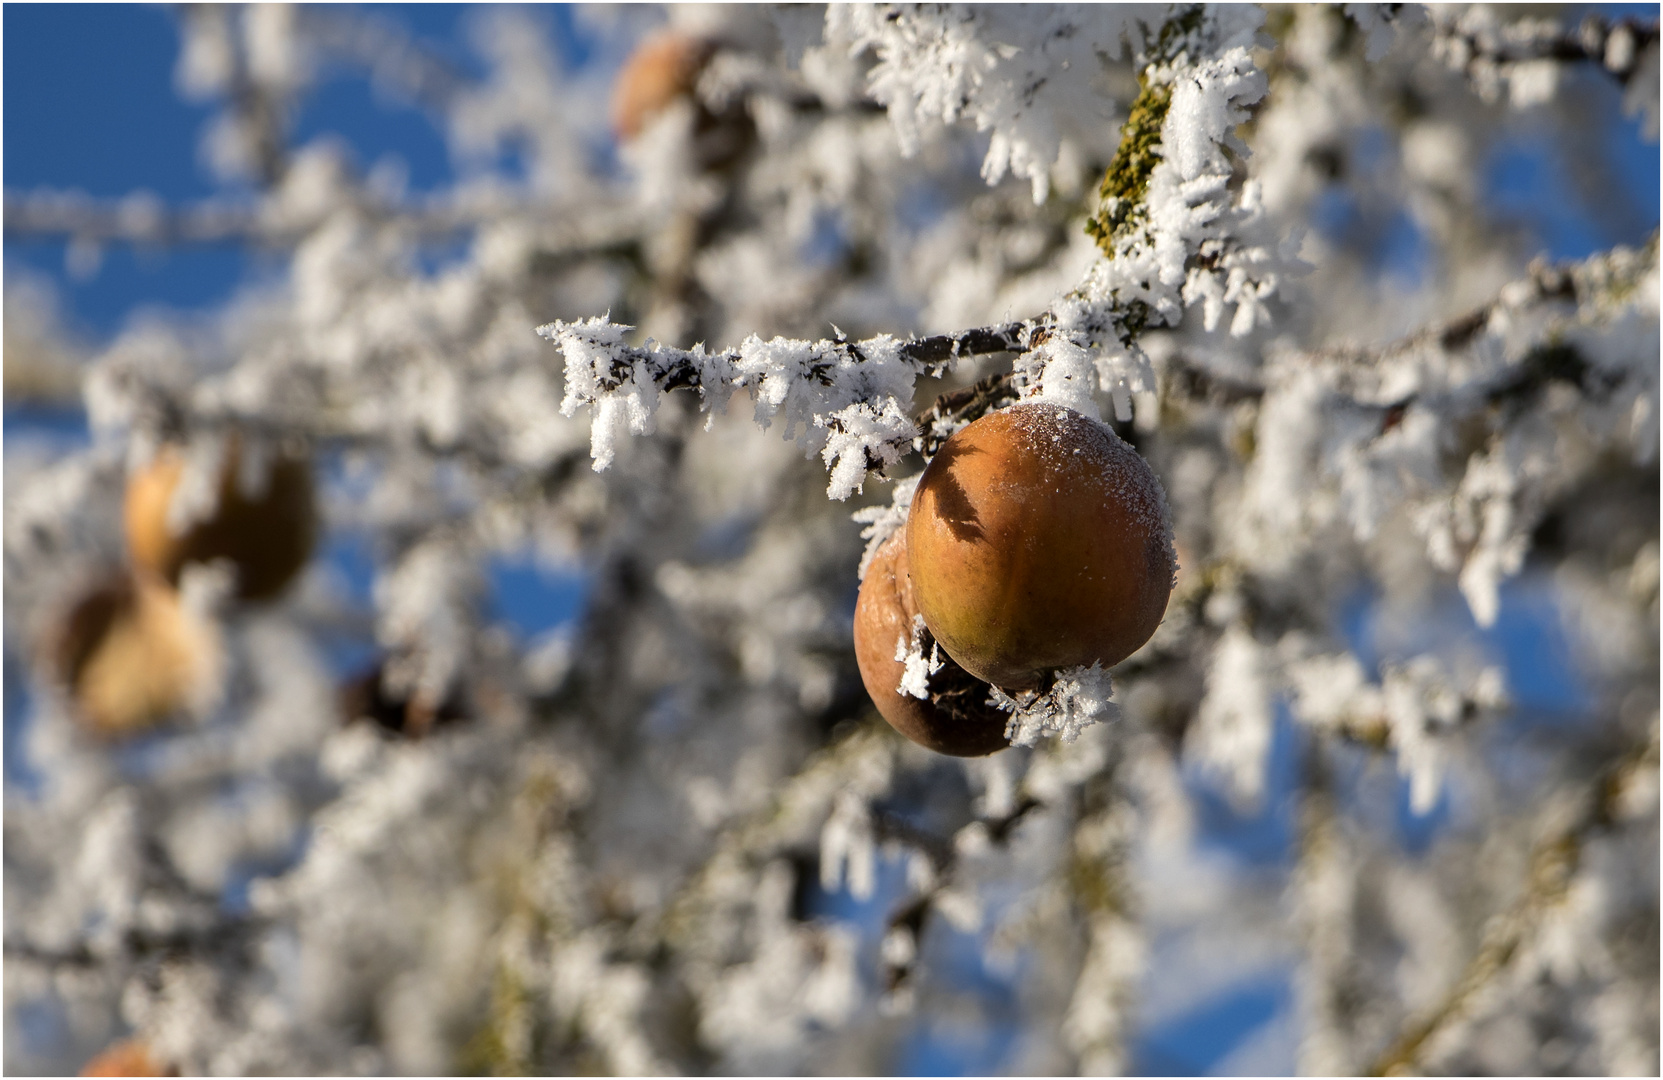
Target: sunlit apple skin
(1039, 540)
(130, 655)
(661, 69)
(956, 720)
(268, 536)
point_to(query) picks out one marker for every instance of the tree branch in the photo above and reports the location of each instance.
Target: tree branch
(140, 945)
(1617, 45)
(143, 219)
(392, 57)
(1553, 865)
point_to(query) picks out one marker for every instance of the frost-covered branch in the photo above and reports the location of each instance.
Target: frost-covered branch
(1554, 864)
(938, 889)
(844, 398)
(394, 59)
(1172, 232)
(1601, 281)
(138, 945)
(1588, 326)
(253, 59)
(1023, 74)
(1492, 53)
(143, 219)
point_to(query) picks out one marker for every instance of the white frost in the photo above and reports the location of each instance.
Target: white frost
(1078, 698)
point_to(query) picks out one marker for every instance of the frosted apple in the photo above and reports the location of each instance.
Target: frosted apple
(266, 534)
(1039, 540)
(955, 718)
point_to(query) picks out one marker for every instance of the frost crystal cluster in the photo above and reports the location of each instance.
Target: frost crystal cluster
(1393, 749)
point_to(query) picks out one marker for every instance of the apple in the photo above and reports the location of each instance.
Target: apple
(267, 536)
(662, 68)
(1038, 540)
(131, 655)
(955, 719)
(130, 1057)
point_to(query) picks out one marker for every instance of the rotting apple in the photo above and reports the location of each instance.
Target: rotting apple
(266, 535)
(1038, 540)
(956, 718)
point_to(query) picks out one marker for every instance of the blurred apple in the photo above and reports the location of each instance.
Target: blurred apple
(662, 68)
(131, 1057)
(266, 535)
(131, 655)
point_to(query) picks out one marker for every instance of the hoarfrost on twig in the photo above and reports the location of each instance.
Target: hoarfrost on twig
(1077, 698)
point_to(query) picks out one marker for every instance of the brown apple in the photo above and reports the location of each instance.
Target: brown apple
(1039, 540)
(131, 655)
(662, 68)
(266, 535)
(955, 719)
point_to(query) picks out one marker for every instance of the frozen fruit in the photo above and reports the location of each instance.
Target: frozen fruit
(1038, 540)
(955, 718)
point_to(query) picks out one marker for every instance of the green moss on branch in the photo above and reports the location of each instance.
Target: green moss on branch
(1126, 183)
